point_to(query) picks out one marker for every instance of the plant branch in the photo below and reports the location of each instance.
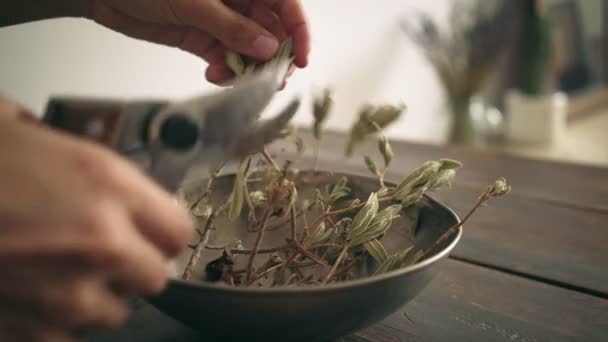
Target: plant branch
(258, 240)
(196, 254)
(333, 269)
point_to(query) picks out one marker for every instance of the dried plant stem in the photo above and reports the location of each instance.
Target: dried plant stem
(329, 214)
(333, 269)
(261, 251)
(261, 229)
(292, 217)
(200, 246)
(316, 156)
(304, 280)
(485, 197)
(350, 265)
(270, 161)
(265, 273)
(250, 205)
(209, 187)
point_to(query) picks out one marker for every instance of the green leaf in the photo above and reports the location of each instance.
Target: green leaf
(371, 165)
(364, 217)
(376, 250)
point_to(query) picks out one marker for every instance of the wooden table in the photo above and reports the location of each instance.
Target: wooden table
(532, 266)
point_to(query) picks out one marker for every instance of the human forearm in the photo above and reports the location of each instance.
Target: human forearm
(14, 12)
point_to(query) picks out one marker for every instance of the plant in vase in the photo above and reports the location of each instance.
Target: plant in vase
(534, 108)
(464, 57)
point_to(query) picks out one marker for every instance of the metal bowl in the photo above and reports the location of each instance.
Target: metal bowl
(306, 313)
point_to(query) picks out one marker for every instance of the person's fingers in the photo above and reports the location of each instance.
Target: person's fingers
(240, 6)
(188, 39)
(130, 26)
(83, 298)
(218, 74)
(131, 257)
(269, 20)
(154, 211)
(235, 31)
(295, 22)
(216, 55)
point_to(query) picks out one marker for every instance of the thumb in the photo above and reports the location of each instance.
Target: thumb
(232, 29)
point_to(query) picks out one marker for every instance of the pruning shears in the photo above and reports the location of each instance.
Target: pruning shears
(167, 139)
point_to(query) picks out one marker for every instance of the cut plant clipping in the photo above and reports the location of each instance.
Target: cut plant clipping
(311, 228)
(242, 65)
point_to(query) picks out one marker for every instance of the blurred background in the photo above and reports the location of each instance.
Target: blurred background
(525, 76)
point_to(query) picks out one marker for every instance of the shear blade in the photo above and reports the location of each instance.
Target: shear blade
(231, 113)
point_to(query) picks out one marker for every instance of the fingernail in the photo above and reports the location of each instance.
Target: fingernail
(265, 46)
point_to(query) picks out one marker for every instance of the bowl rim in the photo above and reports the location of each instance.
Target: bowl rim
(173, 281)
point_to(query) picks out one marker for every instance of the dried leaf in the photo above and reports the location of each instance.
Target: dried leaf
(383, 191)
(400, 260)
(235, 63)
(323, 234)
(236, 202)
(386, 150)
(300, 147)
(449, 164)
(364, 217)
(332, 194)
(377, 227)
(321, 107)
(371, 120)
(416, 178)
(442, 180)
(413, 197)
(258, 198)
(376, 250)
(371, 165)
(500, 188)
(243, 66)
(202, 210)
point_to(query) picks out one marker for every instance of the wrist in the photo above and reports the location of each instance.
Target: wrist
(13, 12)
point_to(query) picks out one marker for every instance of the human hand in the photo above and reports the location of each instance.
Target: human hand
(207, 28)
(80, 231)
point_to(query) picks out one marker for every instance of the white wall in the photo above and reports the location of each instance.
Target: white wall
(357, 48)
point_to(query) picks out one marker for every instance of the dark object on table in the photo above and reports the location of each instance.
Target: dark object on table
(308, 314)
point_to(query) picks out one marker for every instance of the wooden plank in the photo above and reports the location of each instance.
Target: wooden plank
(559, 244)
(464, 303)
(563, 245)
(470, 303)
(556, 182)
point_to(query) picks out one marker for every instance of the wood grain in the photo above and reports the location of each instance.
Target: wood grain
(531, 237)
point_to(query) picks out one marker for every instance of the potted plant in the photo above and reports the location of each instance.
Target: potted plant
(464, 57)
(535, 110)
